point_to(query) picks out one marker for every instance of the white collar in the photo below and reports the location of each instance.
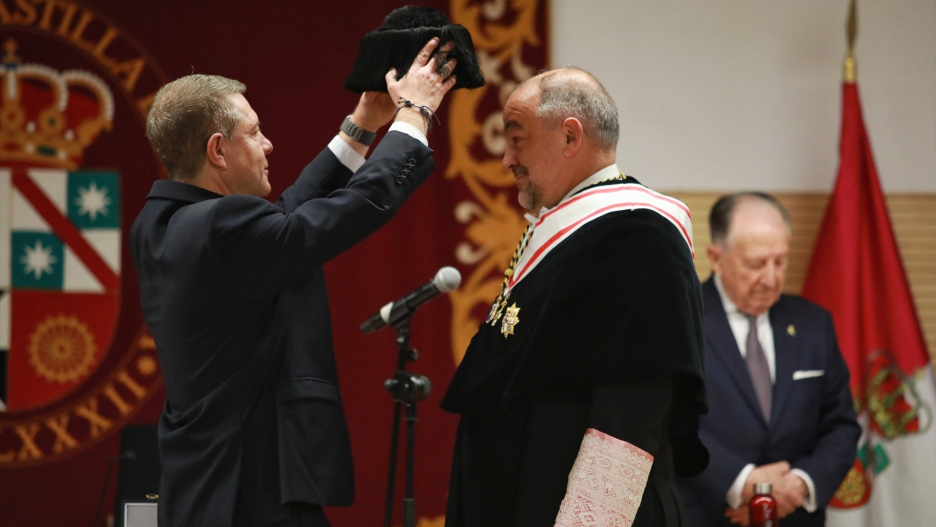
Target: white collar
(727, 303)
(607, 172)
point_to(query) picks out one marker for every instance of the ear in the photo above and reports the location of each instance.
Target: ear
(715, 257)
(215, 151)
(572, 136)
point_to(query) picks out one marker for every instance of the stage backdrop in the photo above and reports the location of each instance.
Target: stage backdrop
(75, 168)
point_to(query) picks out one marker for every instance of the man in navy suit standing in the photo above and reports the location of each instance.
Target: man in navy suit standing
(780, 407)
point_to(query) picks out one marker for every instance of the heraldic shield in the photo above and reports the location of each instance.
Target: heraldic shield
(60, 235)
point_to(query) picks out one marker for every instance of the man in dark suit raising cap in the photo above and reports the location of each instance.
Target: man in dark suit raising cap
(780, 408)
(253, 432)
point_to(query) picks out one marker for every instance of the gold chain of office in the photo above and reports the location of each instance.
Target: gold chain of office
(500, 303)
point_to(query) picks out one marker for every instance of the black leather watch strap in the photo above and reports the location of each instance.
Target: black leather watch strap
(357, 133)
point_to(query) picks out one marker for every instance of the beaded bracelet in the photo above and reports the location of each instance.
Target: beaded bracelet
(424, 110)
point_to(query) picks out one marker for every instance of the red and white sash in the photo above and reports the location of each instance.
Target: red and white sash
(561, 222)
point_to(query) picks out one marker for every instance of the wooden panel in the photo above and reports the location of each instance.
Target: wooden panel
(914, 220)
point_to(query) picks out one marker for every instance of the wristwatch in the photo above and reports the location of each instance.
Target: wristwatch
(357, 133)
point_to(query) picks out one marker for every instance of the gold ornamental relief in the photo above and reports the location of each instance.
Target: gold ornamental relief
(501, 31)
(62, 349)
(147, 366)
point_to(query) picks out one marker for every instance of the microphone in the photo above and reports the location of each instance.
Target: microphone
(446, 280)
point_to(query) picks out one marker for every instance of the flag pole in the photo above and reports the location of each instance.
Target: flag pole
(851, 32)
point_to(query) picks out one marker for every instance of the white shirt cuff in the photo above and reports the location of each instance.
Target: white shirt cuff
(809, 503)
(409, 130)
(734, 498)
(345, 154)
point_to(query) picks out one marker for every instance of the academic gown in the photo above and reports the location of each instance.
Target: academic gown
(609, 337)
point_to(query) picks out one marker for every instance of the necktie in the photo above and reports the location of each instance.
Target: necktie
(758, 369)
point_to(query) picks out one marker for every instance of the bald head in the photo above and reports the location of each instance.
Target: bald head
(572, 92)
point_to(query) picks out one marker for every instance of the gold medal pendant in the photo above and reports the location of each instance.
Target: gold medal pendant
(500, 303)
(493, 312)
(498, 309)
(511, 319)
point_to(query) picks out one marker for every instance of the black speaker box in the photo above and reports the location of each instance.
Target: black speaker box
(139, 468)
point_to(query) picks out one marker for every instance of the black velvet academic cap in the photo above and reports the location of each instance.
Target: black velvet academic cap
(396, 43)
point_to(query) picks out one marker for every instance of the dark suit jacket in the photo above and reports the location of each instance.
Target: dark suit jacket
(233, 293)
(812, 423)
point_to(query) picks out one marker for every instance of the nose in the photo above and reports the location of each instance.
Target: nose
(771, 275)
(267, 145)
(509, 159)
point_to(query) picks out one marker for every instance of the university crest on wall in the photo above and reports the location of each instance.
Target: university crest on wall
(76, 361)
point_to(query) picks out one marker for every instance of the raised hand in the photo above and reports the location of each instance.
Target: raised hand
(374, 110)
(422, 85)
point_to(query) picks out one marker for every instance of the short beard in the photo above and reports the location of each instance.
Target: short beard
(530, 197)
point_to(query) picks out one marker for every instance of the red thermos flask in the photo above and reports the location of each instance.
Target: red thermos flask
(763, 506)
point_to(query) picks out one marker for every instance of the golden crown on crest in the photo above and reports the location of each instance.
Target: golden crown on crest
(49, 118)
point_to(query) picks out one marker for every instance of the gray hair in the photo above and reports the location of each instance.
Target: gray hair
(184, 114)
(563, 94)
(723, 210)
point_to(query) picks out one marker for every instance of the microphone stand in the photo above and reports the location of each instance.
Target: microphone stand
(407, 389)
(110, 467)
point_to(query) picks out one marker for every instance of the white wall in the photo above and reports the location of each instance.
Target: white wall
(742, 94)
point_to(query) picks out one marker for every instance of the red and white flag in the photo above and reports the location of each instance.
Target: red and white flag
(857, 274)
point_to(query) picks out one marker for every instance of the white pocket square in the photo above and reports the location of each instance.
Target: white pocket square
(806, 374)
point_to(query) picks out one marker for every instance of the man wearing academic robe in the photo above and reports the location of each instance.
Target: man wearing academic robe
(580, 394)
(253, 432)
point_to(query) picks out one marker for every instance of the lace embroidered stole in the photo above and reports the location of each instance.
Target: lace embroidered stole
(606, 483)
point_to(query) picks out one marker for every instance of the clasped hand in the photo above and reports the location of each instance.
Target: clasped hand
(788, 489)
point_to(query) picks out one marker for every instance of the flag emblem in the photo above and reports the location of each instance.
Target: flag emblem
(894, 409)
(894, 405)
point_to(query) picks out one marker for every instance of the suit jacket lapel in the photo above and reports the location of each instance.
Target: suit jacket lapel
(721, 342)
(785, 350)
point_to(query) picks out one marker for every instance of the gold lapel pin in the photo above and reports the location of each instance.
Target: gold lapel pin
(791, 329)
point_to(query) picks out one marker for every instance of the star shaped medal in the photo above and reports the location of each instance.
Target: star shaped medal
(510, 320)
